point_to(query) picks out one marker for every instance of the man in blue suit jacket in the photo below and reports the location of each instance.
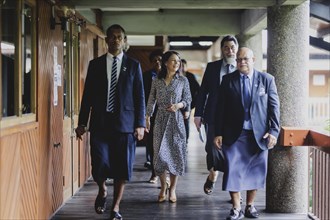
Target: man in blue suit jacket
(206, 103)
(114, 125)
(247, 125)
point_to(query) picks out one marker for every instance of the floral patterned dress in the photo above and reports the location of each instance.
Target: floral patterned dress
(169, 130)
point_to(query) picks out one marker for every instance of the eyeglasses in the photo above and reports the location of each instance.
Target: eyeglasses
(246, 59)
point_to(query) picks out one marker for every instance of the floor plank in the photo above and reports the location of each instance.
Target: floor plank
(140, 198)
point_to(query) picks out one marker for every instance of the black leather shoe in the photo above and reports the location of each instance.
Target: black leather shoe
(251, 212)
(147, 165)
(100, 204)
(115, 216)
(235, 214)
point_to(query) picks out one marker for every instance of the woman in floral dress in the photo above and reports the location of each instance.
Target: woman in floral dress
(170, 91)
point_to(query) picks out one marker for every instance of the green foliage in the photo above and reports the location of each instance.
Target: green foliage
(327, 127)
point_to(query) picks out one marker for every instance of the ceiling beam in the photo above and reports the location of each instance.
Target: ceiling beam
(292, 2)
(176, 22)
(179, 4)
(253, 21)
(171, 4)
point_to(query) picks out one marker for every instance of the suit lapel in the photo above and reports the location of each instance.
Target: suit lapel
(236, 82)
(123, 70)
(217, 69)
(102, 69)
(256, 84)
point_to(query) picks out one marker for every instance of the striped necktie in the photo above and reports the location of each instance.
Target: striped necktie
(112, 90)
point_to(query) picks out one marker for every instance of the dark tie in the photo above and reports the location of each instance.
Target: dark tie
(227, 68)
(246, 97)
(112, 90)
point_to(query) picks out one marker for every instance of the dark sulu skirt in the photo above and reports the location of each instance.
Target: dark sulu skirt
(246, 164)
(112, 155)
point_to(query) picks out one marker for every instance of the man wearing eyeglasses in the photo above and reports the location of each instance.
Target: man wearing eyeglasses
(247, 126)
(206, 103)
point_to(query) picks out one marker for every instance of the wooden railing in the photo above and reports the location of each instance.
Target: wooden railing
(319, 167)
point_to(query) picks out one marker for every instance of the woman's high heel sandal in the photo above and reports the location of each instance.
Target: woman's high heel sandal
(172, 197)
(162, 197)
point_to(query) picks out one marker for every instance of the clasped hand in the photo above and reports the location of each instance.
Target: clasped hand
(173, 107)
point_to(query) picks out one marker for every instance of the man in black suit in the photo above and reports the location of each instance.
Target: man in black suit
(155, 59)
(194, 88)
(113, 98)
(206, 104)
(247, 125)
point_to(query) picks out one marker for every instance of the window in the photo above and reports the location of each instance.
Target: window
(71, 68)
(18, 58)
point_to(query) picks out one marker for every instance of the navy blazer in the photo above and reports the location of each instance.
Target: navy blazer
(147, 81)
(129, 105)
(264, 111)
(207, 96)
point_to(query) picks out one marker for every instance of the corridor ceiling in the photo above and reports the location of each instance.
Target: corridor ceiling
(191, 18)
(180, 17)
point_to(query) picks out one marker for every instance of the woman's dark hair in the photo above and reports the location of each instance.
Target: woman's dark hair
(166, 56)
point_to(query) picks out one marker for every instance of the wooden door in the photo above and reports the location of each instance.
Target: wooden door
(70, 77)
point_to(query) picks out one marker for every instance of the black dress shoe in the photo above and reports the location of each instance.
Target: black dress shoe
(251, 212)
(100, 204)
(147, 165)
(208, 186)
(235, 214)
(115, 216)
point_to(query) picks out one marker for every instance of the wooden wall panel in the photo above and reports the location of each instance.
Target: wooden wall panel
(56, 127)
(67, 160)
(19, 173)
(29, 171)
(10, 172)
(49, 116)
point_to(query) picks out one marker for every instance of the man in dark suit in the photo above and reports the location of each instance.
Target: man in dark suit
(194, 88)
(247, 125)
(113, 98)
(206, 104)
(155, 59)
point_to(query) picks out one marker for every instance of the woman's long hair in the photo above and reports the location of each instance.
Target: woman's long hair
(166, 56)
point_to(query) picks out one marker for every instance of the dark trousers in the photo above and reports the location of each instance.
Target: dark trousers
(214, 159)
(150, 145)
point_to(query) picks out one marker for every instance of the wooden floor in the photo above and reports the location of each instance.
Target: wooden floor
(140, 197)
